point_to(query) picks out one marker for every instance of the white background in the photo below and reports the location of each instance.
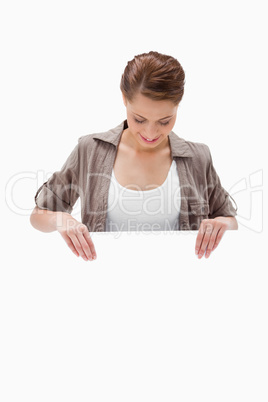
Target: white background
(147, 320)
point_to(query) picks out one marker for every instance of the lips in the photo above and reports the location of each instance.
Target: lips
(149, 142)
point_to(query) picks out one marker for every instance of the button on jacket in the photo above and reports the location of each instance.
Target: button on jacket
(87, 174)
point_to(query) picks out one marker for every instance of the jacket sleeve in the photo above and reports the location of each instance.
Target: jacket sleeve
(61, 191)
(219, 199)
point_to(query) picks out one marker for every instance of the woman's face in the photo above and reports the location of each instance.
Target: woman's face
(149, 122)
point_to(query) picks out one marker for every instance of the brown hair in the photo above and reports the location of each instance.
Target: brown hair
(155, 75)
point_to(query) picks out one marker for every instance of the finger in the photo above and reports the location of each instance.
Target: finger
(84, 245)
(69, 243)
(199, 237)
(212, 240)
(219, 237)
(87, 241)
(90, 243)
(208, 228)
(78, 246)
(204, 244)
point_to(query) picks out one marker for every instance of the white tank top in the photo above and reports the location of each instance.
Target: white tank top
(150, 210)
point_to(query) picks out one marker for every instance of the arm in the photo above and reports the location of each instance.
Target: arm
(55, 204)
(221, 217)
(45, 220)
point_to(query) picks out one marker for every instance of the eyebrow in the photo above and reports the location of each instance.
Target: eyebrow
(145, 119)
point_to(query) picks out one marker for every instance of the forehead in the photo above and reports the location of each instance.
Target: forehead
(148, 108)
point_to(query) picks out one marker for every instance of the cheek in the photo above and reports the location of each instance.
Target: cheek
(135, 127)
(138, 127)
(166, 129)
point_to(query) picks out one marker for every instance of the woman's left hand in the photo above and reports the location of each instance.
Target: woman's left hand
(210, 234)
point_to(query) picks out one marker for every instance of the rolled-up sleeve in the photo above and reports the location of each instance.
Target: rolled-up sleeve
(219, 199)
(61, 190)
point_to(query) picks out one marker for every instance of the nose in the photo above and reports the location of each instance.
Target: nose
(150, 133)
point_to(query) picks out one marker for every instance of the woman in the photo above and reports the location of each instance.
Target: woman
(139, 175)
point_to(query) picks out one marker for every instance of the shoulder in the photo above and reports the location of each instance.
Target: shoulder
(196, 156)
(200, 150)
(88, 138)
(103, 138)
(201, 160)
(89, 142)
(195, 152)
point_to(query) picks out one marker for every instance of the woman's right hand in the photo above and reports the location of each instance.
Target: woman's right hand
(77, 236)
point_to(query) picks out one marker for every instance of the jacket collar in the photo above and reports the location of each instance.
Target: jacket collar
(179, 147)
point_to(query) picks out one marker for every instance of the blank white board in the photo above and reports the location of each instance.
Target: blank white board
(146, 321)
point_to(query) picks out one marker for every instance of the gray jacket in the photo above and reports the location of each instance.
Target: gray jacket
(87, 174)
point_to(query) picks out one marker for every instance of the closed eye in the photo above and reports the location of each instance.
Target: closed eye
(162, 124)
